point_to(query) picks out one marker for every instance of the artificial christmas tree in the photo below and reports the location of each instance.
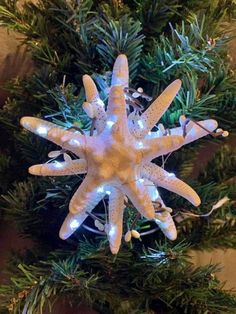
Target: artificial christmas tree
(162, 41)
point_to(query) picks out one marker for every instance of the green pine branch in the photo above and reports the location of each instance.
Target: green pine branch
(159, 278)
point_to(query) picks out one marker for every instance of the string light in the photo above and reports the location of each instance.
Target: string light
(100, 189)
(57, 164)
(74, 142)
(74, 224)
(140, 124)
(42, 130)
(112, 231)
(140, 144)
(110, 123)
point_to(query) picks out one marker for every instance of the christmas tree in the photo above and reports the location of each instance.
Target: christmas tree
(74, 45)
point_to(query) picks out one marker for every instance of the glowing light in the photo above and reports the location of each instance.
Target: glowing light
(141, 180)
(108, 192)
(57, 164)
(110, 123)
(42, 130)
(155, 255)
(100, 189)
(112, 231)
(140, 144)
(171, 175)
(155, 194)
(74, 224)
(140, 124)
(99, 102)
(74, 142)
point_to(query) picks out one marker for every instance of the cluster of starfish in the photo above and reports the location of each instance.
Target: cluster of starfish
(117, 157)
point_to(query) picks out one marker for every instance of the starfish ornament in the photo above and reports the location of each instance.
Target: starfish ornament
(117, 158)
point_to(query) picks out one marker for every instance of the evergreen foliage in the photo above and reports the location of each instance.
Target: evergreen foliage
(163, 40)
(153, 281)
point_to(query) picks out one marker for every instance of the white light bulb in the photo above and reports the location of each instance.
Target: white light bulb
(99, 102)
(57, 164)
(100, 189)
(74, 142)
(171, 175)
(140, 144)
(108, 192)
(74, 224)
(42, 130)
(112, 231)
(140, 124)
(110, 123)
(154, 194)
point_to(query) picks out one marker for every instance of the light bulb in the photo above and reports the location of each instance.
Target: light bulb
(100, 189)
(74, 142)
(110, 123)
(74, 224)
(57, 164)
(140, 124)
(42, 130)
(112, 231)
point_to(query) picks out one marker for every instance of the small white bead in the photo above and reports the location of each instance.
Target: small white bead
(135, 234)
(140, 89)
(54, 153)
(225, 134)
(99, 225)
(128, 236)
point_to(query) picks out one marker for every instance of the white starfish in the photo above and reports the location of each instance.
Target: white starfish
(117, 159)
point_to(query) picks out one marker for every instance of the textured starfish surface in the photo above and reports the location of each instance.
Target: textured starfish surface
(117, 158)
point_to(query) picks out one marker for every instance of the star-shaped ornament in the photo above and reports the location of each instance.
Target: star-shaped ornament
(117, 157)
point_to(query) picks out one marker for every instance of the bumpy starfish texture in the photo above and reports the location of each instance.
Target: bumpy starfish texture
(117, 158)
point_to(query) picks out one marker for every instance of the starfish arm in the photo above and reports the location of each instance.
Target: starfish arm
(83, 201)
(138, 195)
(156, 110)
(120, 74)
(163, 218)
(168, 181)
(71, 223)
(77, 166)
(116, 111)
(116, 210)
(55, 134)
(152, 191)
(166, 223)
(155, 147)
(196, 131)
(92, 96)
(87, 196)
